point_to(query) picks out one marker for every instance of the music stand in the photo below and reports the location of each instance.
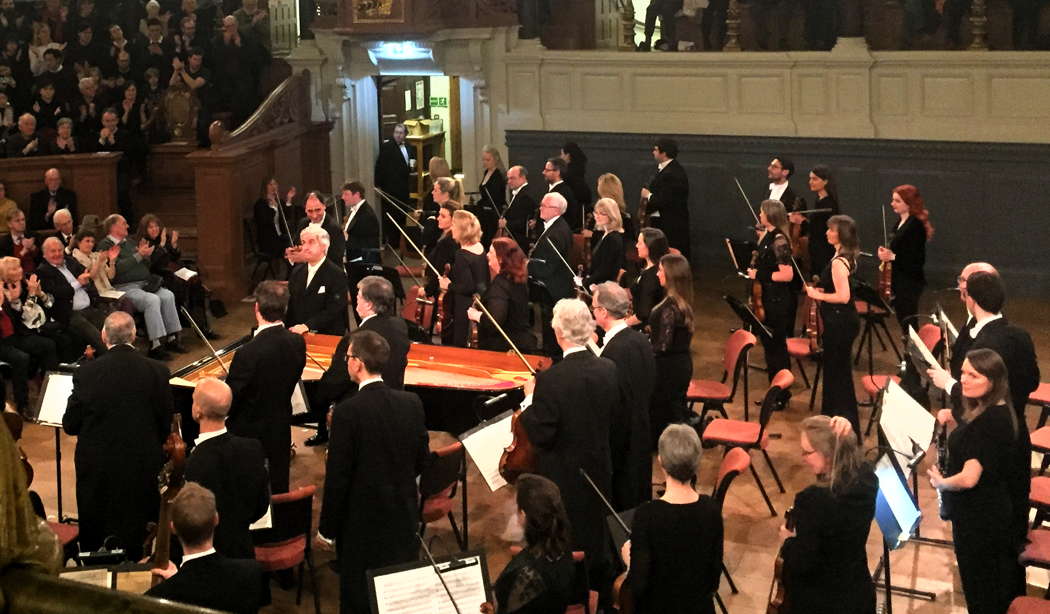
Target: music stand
(872, 320)
(390, 589)
(49, 409)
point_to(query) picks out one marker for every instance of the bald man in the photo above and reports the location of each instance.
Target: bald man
(44, 204)
(72, 293)
(233, 468)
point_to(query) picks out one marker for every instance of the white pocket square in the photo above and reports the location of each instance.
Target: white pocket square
(320, 290)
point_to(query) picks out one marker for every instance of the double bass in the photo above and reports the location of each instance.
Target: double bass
(170, 481)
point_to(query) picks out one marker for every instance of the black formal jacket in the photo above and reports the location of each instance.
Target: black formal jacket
(787, 198)
(336, 384)
(607, 259)
(574, 212)
(546, 266)
(322, 304)
(519, 211)
(378, 446)
(362, 233)
(494, 191)
(670, 196)
(568, 425)
(268, 238)
(508, 303)
(336, 238)
(391, 171)
(825, 564)
(120, 410)
(219, 583)
(629, 436)
(1014, 346)
(53, 282)
(264, 373)
(909, 248)
(16, 143)
(234, 469)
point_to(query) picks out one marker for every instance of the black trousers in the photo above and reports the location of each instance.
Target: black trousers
(780, 320)
(665, 10)
(906, 294)
(988, 566)
(668, 406)
(25, 353)
(841, 326)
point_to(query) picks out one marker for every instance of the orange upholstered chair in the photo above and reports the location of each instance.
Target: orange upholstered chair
(445, 472)
(714, 395)
(287, 544)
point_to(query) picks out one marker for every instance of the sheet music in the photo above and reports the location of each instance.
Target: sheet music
(898, 499)
(485, 445)
(904, 422)
(100, 577)
(953, 333)
(54, 399)
(419, 591)
(299, 404)
(185, 274)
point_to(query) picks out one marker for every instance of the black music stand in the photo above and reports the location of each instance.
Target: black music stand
(872, 321)
(55, 393)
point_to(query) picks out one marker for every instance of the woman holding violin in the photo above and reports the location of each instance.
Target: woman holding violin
(646, 291)
(607, 254)
(823, 184)
(674, 556)
(982, 463)
(775, 275)
(539, 579)
(841, 323)
(671, 333)
(907, 252)
(507, 299)
(469, 274)
(825, 561)
(441, 255)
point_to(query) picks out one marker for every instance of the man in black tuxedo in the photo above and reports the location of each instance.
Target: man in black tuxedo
(377, 308)
(668, 196)
(567, 411)
(232, 467)
(378, 448)
(779, 172)
(120, 410)
(317, 215)
(546, 265)
(317, 288)
(984, 295)
(71, 290)
(629, 439)
(44, 204)
(554, 173)
(361, 226)
(392, 175)
(208, 579)
(520, 208)
(26, 142)
(263, 376)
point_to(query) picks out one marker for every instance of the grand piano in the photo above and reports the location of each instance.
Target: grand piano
(453, 382)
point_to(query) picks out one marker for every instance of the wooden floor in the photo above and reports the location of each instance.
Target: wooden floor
(751, 535)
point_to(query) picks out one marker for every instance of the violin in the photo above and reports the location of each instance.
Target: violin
(813, 323)
(170, 479)
(442, 314)
(518, 457)
(799, 242)
(643, 214)
(756, 292)
(777, 597)
(885, 268)
(15, 424)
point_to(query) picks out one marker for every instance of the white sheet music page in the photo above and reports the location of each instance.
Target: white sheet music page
(921, 346)
(419, 591)
(485, 446)
(904, 421)
(56, 397)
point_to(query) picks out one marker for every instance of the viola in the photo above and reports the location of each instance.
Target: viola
(518, 457)
(777, 597)
(885, 268)
(756, 292)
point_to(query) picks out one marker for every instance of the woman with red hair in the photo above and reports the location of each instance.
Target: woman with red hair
(507, 299)
(907, 252)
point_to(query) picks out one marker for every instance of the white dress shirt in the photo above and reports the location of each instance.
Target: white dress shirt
(209, 435)
(777, 190)
(311, 270)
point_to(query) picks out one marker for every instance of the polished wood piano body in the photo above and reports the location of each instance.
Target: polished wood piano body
(452, 381)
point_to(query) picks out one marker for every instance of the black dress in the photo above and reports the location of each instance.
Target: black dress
(492, 202)
(508, 303)
(909, 247)
(826, 563)
(470, 276)
(676, 556)
(985, 546)
(778, 299)
(646, 292)
(820, 251)
(442, 253)
(670, 336)
(607, 259)
(534, 584)
(841, 326)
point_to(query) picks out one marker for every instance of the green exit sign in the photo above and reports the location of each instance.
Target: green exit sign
(439, 101)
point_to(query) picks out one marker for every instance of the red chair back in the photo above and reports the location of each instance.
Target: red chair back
(292, 514)
(739, 342)
(776, 398)
(930, 335)
(442, 470)
(735, 462)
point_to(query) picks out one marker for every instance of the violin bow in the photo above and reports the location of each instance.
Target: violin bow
(885, 236)
(200, 334)
(411, 242)
(404, 264)
(562, 258)
(623, 525)
(407, 211)
(517, 352)
(747, 200)
(287, 228)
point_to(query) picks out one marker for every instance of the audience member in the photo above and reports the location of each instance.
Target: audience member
(192, 75)
(68, 284)
(165, 261)
(63, 221)
(235, 73)
(20, 351)
(44, 203)
(20, 243)
(153, 12)
(40, 43)
(25, 142)
(85, 50)
(253, 22)
(87, 108)
(7, 206)
(102, 264)
(156, 50)
(47, 109)
(64, 141)
(63, 77)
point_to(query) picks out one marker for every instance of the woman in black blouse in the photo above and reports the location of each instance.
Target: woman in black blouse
(776, 273)
(507, 299)
(441, 255)
(576, 175)
(674, 556)
(539, 579)
(607, 253)
(493, 190)
(907, 252)
(671, 333)
(271, 236)
(469, 275)
(825, 558)
(646, 290)
(820, 251)
(841, 323)
(982, 462)
(64, 142)
(437, 168)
